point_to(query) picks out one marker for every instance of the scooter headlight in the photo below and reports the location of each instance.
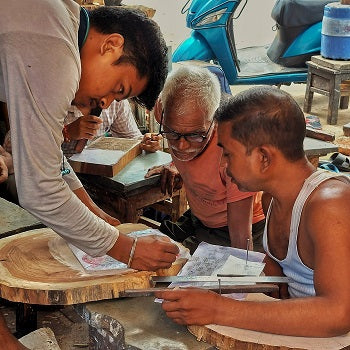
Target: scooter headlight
(211, 18)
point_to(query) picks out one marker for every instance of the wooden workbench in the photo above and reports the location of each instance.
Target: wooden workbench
(125, 194)
(113, 325)
(14, 219)
(135, 323)
(314, 149)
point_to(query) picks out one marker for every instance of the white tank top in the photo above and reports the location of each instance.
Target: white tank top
(301, 276)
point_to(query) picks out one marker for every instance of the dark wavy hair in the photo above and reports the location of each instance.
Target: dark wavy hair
(144, 46)
(265, 115)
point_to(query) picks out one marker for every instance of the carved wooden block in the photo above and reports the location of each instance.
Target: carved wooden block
(105, 156)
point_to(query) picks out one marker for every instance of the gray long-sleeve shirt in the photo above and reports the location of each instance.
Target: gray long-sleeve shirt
(39, 75)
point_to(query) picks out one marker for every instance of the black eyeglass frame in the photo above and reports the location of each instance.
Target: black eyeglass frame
(201, 138)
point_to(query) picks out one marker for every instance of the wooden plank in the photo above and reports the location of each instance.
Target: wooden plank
(332, 64)
(343, 144)
(320, 82)
(233, 338)
(38, 267)
(42, 338)
(319, 134)
(132, 177)
(15, 219)
(105, 156)
(314, 147)
(346, 129)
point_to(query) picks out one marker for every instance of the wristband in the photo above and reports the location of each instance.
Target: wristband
(132, 252)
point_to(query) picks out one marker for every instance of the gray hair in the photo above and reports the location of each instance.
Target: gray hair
(191, 86)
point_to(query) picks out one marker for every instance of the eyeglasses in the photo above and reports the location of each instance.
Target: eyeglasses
(190, 137)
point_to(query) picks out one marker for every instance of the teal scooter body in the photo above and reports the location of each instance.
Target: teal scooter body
(212, 40)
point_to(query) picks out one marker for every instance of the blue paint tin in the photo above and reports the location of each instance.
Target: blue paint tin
(335, 38)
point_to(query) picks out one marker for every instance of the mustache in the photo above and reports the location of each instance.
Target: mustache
(188, 150)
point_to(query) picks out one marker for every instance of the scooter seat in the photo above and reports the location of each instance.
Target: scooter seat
(294, 13)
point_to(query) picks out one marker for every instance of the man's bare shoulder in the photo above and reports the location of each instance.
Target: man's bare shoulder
(328, 207)
(334, 189)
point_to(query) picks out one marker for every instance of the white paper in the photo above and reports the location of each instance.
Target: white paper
(209, 259)
(98, 156)
(106, 265)
(237, 266)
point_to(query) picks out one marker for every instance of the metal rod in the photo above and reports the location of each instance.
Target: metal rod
(246, 258)
(254, 288)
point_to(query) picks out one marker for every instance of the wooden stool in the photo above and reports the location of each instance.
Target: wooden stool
(330, 78)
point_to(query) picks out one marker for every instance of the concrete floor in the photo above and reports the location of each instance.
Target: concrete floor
(70, 330)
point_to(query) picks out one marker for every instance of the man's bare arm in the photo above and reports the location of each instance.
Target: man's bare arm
(324, 315)
(272, 268)
(239, 218)
(7, 340)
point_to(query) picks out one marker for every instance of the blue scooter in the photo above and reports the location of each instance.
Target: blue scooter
(298, 37)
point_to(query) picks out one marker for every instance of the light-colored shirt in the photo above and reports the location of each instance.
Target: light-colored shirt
(39, 76)
(117, 120)
(209, 189)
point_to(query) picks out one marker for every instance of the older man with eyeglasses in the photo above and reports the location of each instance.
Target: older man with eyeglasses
(219, 213)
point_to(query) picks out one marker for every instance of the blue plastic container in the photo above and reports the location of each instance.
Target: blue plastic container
(335, 38)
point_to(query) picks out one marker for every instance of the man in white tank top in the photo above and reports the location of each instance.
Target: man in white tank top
(306, 238)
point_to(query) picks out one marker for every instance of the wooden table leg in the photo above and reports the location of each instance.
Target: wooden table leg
(334, 97)
(344, 102)
(308, 94)
(179, 204)
(26, 319)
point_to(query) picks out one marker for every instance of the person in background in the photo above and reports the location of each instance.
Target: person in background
(219, 213)
(117, 121)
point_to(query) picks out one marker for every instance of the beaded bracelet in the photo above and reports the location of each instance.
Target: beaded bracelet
(132, 252)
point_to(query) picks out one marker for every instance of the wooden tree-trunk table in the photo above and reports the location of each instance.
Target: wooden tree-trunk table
(38, 267)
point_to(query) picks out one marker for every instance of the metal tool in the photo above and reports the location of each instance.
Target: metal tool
(82, 143)
(246, 258)
(230, 280)
(254, 288)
